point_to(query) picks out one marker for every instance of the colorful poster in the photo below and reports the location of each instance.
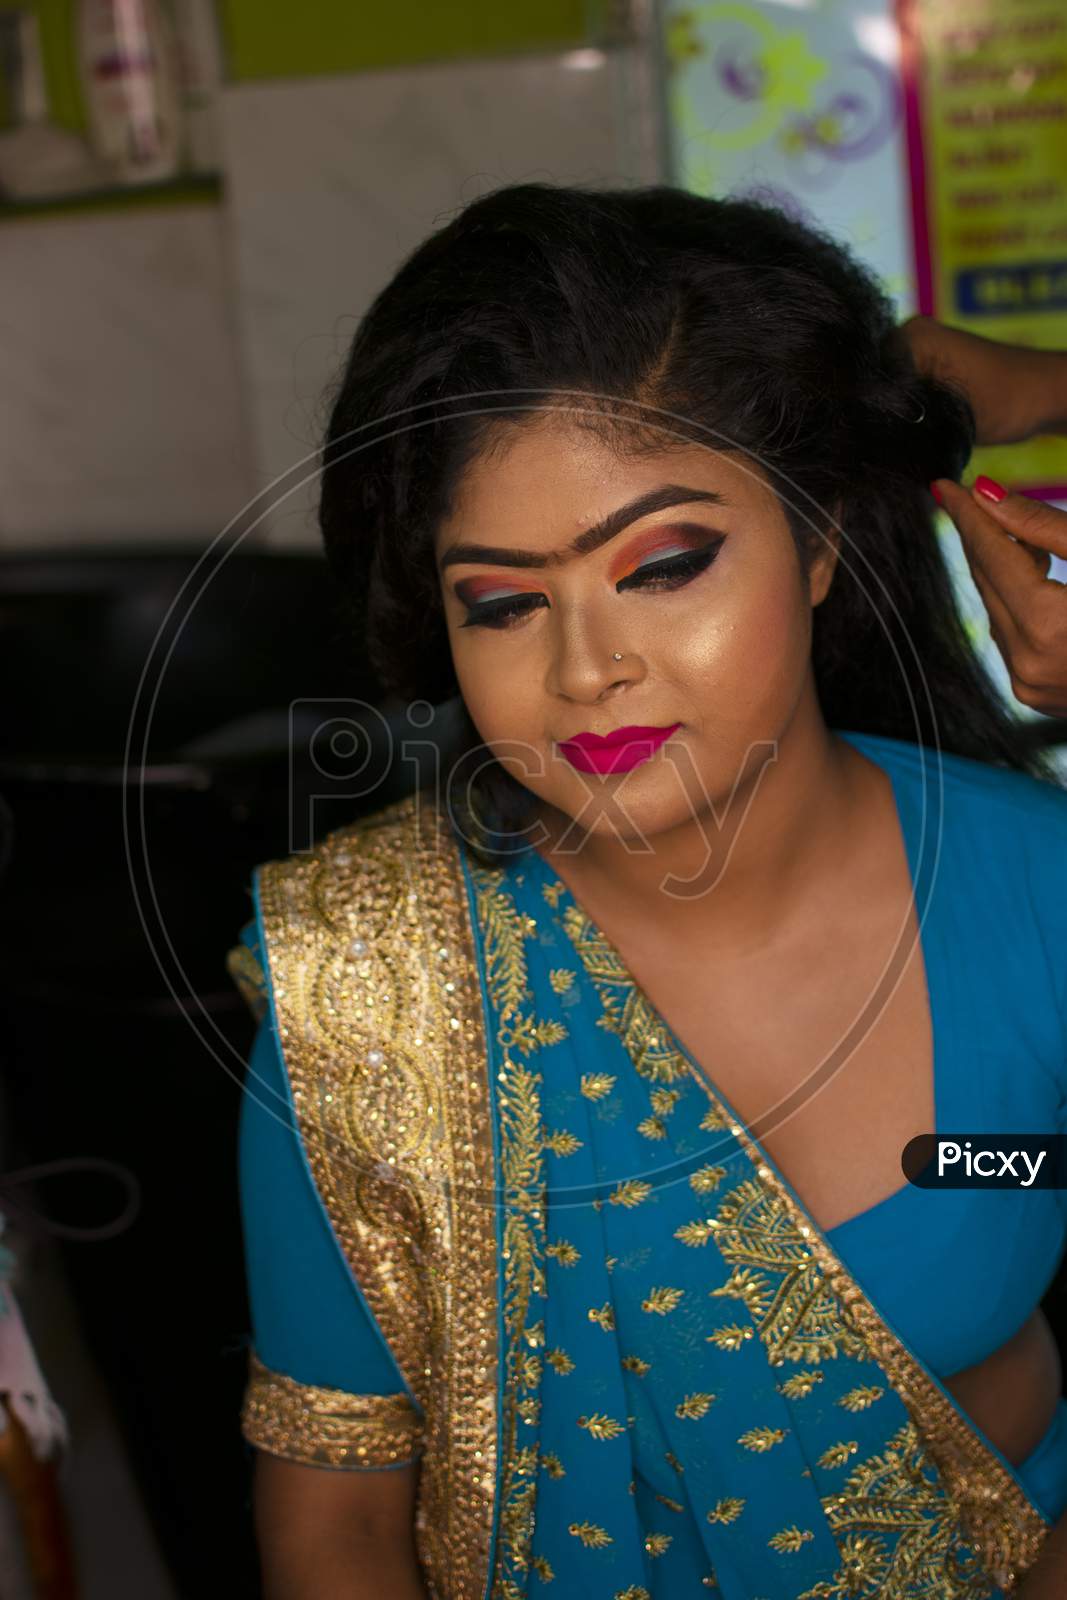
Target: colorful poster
(985, 92)
(800, 105)
(932, 139)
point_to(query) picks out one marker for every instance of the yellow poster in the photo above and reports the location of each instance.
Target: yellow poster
(985, 105)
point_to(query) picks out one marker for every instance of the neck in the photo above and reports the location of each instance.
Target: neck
(735, 872)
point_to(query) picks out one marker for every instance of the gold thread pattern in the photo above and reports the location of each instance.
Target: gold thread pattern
(895, 1528)
(694, 1406)
(727, 1510)
(662, 1301)
(562, 1143)
(988, 1507)
(808, 1308)
(503, 933)
(327, 1427)
(790, 1539)
(374, 976)
(775, 1275)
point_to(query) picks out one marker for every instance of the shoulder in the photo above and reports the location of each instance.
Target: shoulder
(391, 830)
(1006, 855)
(375, 903)
(1005, 866)
(403, 847)
(1014, 804)
(355, 887)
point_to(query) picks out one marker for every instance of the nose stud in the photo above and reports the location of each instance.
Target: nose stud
(617, 656)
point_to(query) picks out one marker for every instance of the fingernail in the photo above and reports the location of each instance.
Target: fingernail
(936, 492)
(991, 489)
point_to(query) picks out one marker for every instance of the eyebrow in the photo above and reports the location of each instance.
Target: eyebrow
(669, 494)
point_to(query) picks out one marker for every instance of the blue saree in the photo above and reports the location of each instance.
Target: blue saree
(630, 1363)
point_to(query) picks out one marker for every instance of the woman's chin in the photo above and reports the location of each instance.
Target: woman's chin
(626, 811)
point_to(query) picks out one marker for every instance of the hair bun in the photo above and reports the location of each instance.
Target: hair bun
(913, 425)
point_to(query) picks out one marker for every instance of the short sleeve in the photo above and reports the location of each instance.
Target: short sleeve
(323, 1386)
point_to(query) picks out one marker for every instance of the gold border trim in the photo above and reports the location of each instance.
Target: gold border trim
(327, 1427)
(997, 1517)
(516, 1028)
(375, 981)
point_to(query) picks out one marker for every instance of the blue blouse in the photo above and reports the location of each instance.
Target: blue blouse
(955, 1272)
(994, 943)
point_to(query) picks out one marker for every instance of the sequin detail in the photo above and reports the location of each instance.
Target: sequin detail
(956, 1503)
(327, 1427)
(374, 977)
(519, 1035)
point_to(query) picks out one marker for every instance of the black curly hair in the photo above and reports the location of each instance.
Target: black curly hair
(662, 318)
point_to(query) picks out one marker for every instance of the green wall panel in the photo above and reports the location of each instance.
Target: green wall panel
(268, 39)
(56, 22)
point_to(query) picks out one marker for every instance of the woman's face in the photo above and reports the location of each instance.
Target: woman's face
(699, 588)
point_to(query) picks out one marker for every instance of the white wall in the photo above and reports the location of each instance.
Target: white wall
(162, 366)
(121, 405)
(334, 181)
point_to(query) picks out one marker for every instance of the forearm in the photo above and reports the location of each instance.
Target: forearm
(339, 1567)
(1015, 391)
(1047, 371)
(336, 1535)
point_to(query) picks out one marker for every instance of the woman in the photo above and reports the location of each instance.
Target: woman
(575, 1220)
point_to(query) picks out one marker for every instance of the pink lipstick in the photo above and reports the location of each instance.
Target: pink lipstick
(618, 751)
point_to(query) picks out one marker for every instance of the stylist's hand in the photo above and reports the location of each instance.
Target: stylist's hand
(1027, 609)
(1014, 390)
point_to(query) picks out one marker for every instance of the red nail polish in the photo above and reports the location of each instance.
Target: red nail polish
(936, 492)
(991, 489)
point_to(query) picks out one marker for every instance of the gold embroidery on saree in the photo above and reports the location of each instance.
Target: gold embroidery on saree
(807, 1308)
(762, 1438)
(694, 1406)
(626, 1010)
(522, 1142)
(662, 1301)
(798, 1317)
(891, 1494)
(799, 1384)
(790, 1539)
(860, 1398)
(591, 1535)
(375, 985)
(652, 1128)
(630, 1193)
(727, 1510)
(327, 1427)
(635, 1364)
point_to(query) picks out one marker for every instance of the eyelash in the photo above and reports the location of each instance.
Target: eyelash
(674, 572)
